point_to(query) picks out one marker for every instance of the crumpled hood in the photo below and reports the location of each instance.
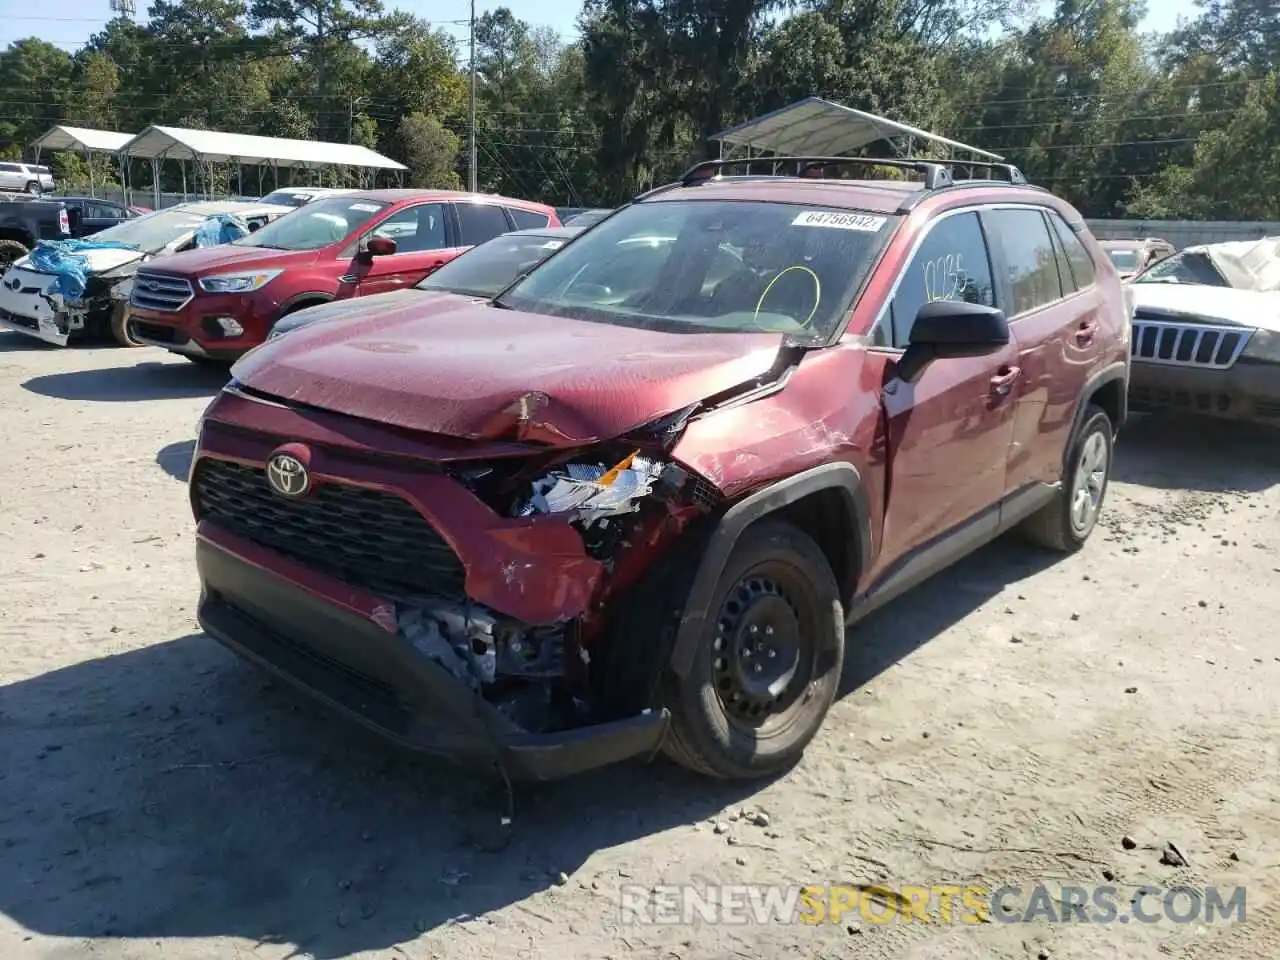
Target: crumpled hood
(454, 367)
(1249, 308)
(99, 260)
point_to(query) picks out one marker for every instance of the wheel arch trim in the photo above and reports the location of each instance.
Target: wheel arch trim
(842, 477)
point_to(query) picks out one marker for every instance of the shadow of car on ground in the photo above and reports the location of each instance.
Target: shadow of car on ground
(150, 380)
(1177, 452)
(175, 459)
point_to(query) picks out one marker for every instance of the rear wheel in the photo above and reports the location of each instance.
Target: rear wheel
(11, 251)
(1065, 523)
(768, 662)
(34, 189)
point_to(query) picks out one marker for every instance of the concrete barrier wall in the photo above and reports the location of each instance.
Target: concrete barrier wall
(1185, 233)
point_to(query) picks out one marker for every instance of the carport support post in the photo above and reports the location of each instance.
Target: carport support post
(155, 180)
(88, 157)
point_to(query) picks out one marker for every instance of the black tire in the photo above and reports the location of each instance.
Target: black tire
(11, 251)
(1057, 525)
(723, 722)
(34, 189)
(120, 332)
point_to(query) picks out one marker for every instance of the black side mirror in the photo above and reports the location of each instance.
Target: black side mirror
(947, 329)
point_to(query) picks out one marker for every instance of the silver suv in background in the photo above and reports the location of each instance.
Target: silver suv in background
(25, 178)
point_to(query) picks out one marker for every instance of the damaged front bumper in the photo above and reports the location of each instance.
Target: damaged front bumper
(29, 307)
(282, 616)
(26, 308)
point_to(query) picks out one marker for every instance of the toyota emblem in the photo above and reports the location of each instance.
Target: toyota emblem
(150, 284)
(13, 283)
(287, 476)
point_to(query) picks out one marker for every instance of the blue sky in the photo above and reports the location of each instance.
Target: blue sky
(69, 23)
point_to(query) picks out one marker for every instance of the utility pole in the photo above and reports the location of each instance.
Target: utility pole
(471, 166)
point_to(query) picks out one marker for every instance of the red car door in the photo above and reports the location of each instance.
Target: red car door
(424, 242)
(948, 433)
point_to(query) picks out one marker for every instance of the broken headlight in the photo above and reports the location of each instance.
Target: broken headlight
(594, 491)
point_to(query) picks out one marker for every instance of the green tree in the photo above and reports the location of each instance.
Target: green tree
(430, 152)
(34, 76)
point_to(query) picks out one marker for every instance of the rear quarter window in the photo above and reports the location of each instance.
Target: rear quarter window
(1082, 268)
(527, 219)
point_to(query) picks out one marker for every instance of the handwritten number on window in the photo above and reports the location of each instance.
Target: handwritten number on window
(944, 278)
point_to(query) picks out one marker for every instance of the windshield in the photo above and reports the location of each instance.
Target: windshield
(484, 270)
(1124, 259)
(1185, 267)
(699, 266)
(287, 198)
(315, 225)
(153, 231)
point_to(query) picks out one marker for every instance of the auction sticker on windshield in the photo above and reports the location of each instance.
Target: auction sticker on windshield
(364, 207)
(838, 221)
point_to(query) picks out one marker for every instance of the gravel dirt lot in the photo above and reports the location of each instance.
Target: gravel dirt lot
(1008, 723)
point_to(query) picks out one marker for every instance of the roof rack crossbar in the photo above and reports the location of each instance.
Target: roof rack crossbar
(1013, 174)
(935, 173)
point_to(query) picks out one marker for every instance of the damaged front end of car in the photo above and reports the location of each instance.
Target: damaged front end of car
(561, 676)
(479, 602)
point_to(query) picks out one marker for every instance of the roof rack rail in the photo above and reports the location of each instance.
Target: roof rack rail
(935, 173)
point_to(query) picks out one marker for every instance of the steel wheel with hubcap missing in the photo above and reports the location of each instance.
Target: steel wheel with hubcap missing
(1066, 521)
(769, 660)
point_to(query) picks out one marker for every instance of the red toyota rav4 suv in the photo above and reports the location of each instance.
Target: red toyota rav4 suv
(633, 501)
(215, 304)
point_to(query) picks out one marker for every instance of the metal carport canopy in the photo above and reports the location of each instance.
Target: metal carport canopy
(177, 143)
(821, 128)
(63, 137)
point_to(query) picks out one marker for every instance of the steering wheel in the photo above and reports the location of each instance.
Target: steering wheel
(593, 291)
(817, 292)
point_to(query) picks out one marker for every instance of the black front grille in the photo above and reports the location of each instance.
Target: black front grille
(363, 537)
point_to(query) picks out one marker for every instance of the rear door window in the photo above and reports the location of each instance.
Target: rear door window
(527, 219)
(479, 222)
(951, 264)
(1030, 262)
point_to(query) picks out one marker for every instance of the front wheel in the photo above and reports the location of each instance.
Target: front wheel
(1065, 523)
(120, 332)
(11, 251)
(768, 661)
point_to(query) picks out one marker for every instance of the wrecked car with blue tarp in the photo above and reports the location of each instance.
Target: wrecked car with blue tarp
(70, 290)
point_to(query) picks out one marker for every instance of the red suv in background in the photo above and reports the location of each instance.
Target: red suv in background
(216, 303)
(633, 501)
